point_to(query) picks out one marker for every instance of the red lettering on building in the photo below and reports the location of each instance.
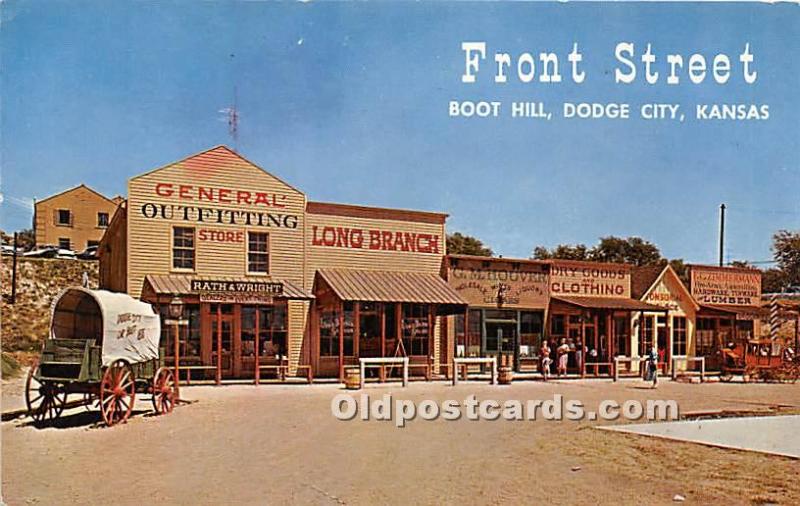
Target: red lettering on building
(380, 240)
(220, 195)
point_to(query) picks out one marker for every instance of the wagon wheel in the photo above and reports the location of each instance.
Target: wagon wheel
(164, 391)
(44, 400)
(117, 393)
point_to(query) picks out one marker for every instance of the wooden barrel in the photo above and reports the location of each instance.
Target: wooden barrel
(504, 375)
(352, 379)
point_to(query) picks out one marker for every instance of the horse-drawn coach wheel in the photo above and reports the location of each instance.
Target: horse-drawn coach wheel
(164, 394)
(117, 393)
(45, 400)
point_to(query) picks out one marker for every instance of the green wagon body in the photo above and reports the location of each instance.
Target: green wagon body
(77, 361)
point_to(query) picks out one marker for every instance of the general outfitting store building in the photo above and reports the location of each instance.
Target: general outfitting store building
(270, 278)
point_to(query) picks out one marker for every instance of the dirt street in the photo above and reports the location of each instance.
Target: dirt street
(280, 444)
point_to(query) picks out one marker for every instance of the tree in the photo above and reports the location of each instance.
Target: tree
(563, 252)
(773, 280)
(679, 266)
(459, 244)
(633, 250)
(786, 250)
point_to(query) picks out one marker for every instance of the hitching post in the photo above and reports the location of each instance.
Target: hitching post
(176, 312)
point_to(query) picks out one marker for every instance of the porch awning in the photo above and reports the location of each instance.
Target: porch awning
(181, 284)
(740, 312)
(619, 304)
(390, 286)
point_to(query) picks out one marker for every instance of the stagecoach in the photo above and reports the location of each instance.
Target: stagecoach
(759, 359)
(104, 347)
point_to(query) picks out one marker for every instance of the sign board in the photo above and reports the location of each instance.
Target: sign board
(236, 298)
(662, 296)
(725, 286)
(500, 284)
(587, 279)
(247, 287)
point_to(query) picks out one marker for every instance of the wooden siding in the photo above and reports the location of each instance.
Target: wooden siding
(298, 314)
(112, 252)
(83, 204)
(364, 258)
(150, 244)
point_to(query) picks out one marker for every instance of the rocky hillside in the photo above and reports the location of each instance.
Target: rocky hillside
(23, 325)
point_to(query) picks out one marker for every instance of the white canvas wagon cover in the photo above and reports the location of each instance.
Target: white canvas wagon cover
(124, 327)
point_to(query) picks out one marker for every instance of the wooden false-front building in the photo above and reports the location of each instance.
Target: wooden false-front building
(729, 311)
(508, 301)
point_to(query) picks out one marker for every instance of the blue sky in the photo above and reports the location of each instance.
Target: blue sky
(349, 103)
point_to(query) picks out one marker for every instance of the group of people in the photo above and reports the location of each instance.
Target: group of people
(562, 360)
(562, 357)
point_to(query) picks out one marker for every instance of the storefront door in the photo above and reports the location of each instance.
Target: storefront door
(501, 338)
(222, 319)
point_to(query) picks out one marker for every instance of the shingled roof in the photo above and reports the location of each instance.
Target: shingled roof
(642, 278)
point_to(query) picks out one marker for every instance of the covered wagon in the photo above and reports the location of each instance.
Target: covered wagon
(103, 346)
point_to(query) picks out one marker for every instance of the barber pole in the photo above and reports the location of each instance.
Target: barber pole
(774, 322)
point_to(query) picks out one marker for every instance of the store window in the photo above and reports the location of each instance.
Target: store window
(416, 329)
(258, 252)
(183, 248)
(102, 220)
(468, 344)
(557, 327)
(648, 331)
(679, 336)
(530, 326)
(269, 323)
(705, 337)
(189, 335)
(329, 334)
(64, 217)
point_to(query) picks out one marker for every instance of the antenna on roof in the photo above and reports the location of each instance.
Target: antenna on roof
(232, 117)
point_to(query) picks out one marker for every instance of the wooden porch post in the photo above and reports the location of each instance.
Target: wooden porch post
(466, 333)
(383, 340)
(431, 343)
(219, 344)
(257, 360)
(356, 329)
(177, 357)
(668, 351)
(596, 343)
(610, 344)
(398, 311)
(341, 341)
(583, 344)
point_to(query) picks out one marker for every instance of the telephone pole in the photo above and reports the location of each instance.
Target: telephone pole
(721, 235)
